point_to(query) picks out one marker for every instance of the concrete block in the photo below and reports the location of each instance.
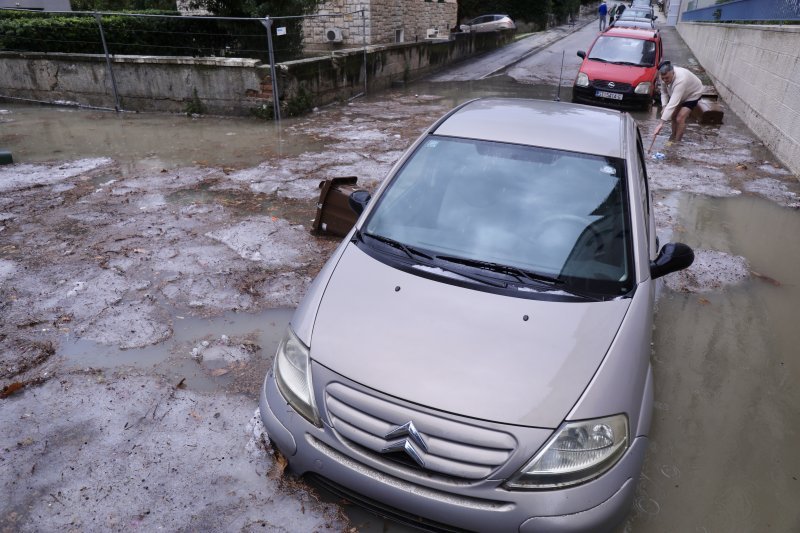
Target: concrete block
(708, 112)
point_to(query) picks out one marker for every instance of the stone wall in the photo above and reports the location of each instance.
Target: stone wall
(756, 69)
(385, 21)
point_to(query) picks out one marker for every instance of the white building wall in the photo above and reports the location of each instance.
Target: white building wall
(756, 69)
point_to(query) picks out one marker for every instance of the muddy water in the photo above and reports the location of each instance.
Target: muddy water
(150, 141)
(724, 454)
(143, 141)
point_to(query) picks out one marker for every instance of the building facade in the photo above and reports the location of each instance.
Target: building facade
(346, 23)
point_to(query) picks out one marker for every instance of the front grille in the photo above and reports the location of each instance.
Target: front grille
(379, 508)
(449, 447)
(618, 86)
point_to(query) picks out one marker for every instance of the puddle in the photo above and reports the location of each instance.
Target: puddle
(723, 453)
(174, 359)
(143, 142)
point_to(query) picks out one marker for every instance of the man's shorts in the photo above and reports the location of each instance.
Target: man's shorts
(691, 104)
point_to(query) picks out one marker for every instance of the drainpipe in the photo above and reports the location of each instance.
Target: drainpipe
(108, 62)
(276, 107)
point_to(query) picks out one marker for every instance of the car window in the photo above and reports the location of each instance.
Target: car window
(624, 50)
(552, 212)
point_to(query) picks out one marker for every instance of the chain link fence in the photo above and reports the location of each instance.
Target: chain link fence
(168, 34)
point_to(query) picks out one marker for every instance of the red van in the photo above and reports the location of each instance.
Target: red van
(620, 69)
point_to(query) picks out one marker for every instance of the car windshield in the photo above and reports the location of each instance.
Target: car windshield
(555, 214)
(624, 50)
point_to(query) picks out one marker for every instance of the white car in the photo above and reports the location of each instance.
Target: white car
(488, 23)
(475, 355)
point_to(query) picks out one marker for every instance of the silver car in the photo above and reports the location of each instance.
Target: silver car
(489, 23)
(476, 353)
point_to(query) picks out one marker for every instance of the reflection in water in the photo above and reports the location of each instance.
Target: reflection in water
(724, 444)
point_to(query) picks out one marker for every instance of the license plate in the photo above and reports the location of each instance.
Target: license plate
(606, 94)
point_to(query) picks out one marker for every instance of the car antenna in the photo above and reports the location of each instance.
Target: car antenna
(560, 74)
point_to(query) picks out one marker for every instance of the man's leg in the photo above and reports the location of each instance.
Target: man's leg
(679, 123)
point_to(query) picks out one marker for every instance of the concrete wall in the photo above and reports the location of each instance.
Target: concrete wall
(756, 69)
(227, 85)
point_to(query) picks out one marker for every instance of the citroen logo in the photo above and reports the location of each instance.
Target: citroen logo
(407, 439)
(611, 85)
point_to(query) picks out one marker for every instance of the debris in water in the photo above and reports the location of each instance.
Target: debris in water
(768, 279)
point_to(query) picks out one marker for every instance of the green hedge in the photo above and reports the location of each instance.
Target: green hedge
(126, 35)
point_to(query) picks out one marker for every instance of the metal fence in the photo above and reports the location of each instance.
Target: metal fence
(774, 11)
(270, 39)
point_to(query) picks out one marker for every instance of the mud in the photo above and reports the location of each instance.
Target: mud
(115, 254)
(117, 453)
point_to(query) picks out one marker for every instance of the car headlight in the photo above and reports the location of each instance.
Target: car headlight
(577, 452)
(293, 375)
(643, 88)
(582, 80)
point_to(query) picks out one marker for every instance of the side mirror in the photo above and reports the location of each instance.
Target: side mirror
(581, 54)
(358, 201)
(672, 257)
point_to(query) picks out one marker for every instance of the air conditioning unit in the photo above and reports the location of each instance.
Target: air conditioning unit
(432, 33)
(333, 35)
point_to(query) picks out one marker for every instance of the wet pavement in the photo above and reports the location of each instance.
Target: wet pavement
(147, 257)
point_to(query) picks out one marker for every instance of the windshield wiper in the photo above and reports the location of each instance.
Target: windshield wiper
(408, 250)
(626, 63)
(518, 273)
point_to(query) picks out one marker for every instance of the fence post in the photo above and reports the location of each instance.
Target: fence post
(276, 107)
(108, 62)
(364, 41)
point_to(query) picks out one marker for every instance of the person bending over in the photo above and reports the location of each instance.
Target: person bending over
(680, 92)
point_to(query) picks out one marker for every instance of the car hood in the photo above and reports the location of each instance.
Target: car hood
(460, 350)
(619, 73)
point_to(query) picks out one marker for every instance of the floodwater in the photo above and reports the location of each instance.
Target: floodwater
(142, 141)
(724, 449)
(724, 455)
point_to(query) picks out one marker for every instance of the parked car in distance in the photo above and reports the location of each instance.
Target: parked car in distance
(634, 22)
(476, 353)
(488, 23)
(639, 12)
(620, 69)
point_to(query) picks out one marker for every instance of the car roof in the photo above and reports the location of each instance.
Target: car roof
(544, 123)
(635, 33)
(635, 23)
